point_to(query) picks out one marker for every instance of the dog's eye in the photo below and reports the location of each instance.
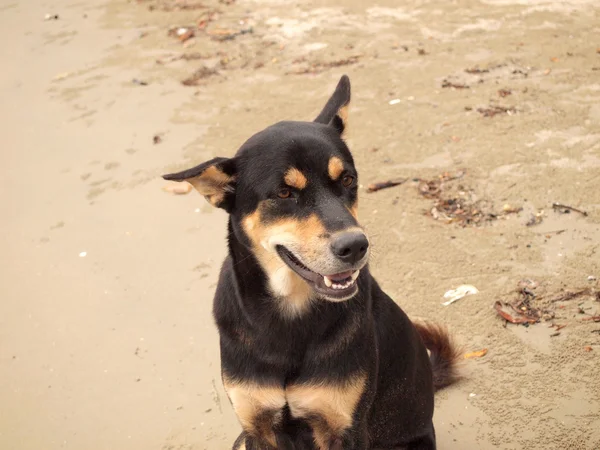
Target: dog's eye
(284, 193)
(347, 180)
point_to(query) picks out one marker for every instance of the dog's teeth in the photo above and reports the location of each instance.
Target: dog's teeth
(341, 285)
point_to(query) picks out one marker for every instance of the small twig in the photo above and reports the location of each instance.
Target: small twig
(591, 319)
(374, 187)
(553, 232)
(571, 295)
(495, 109)
(570, 208)
(450, 84)
(555, 334)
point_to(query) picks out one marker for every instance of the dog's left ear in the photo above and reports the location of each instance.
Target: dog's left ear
(214, 179)
(335, 112)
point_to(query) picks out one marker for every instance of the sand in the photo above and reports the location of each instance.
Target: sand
(106, 335)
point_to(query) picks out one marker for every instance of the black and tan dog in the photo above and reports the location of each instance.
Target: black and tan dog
(313, 353)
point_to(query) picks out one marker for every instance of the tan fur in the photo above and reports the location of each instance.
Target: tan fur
(212, 184)
(241, 446)
(284, 282)
(343, 114)
(328, 407)
(250, 401)
(444, 353)
(335, 167)
(354, 210)
(294, 178)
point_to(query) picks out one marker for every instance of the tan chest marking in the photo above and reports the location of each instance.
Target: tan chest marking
(329, 408)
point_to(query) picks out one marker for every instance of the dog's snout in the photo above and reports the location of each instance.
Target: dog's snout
(350, 247)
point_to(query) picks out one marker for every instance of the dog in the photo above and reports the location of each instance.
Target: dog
(314, 355)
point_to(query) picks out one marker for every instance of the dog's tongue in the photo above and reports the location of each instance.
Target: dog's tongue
(340, 276)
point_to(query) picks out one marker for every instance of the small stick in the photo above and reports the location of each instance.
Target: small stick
(571, 295)
(553, 232)
(374, 187)
(571, 208)
(591, 318)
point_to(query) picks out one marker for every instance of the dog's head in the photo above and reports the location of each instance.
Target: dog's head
(291, 192)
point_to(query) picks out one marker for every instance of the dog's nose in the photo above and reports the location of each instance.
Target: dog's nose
(350, 247)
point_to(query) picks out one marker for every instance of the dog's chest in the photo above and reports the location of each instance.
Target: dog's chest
(332, 403)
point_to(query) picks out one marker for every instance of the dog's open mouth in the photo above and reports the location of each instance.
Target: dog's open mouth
(339, 285)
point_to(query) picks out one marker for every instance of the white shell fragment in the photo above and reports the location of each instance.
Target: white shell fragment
(458, 293)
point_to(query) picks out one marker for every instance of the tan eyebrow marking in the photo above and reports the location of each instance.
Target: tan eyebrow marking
(294, 178)
(335, 167)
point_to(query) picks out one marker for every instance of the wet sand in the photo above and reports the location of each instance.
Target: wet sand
(106, 335)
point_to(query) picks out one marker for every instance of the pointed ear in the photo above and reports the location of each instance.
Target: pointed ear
(214, 179)
(335, 112)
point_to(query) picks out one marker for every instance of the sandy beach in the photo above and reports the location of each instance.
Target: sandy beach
(488, 111)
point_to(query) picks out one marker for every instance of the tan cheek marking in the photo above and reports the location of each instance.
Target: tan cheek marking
(310, 228)
(354, 210)
(283, 281)
(334, 404)
(302, 230)
(294, 178)
(258, 407)
(250, 225)
(335, 167)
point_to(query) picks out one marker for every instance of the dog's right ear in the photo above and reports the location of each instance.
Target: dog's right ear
(335, 112)
(214, 179)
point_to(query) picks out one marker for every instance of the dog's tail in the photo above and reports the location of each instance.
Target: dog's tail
(444, 353)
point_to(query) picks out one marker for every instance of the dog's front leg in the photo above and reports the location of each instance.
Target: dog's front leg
(259, 409)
